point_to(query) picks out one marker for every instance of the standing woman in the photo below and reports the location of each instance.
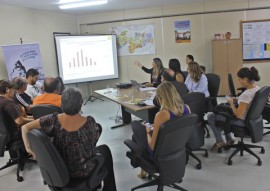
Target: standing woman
(175, 65)
(155, 71)
(196, 80)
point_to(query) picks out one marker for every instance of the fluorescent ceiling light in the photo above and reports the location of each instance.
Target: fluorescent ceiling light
(68, 1)
(83, 4)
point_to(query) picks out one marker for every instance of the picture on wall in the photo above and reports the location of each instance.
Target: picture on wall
(182, 31)
(135, 39)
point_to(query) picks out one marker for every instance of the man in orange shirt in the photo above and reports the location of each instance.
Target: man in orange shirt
(51, 93)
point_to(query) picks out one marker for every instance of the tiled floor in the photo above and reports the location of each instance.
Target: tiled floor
(215, 175)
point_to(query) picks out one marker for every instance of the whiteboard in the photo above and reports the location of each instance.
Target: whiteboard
(256, 40)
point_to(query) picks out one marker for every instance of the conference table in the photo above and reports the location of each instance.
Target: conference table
(128, 99)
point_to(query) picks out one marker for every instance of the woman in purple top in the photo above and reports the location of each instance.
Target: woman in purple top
(171, 105)
(75, 138)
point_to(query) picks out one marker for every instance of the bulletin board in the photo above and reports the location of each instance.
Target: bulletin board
(256, 40)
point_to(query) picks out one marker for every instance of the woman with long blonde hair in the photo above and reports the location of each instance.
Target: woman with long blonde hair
(171, 105)
(196, 81)
(155, 71)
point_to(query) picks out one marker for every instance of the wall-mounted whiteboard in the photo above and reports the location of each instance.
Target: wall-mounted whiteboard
(256, 40)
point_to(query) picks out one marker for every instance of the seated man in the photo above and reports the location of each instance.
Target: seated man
(51, 93)
(34, 87)
(20, 85)
(169, 75)
(10, 109)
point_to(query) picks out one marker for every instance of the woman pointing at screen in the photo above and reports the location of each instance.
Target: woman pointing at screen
(155, 71)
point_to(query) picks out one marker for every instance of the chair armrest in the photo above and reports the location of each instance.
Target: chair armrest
(99, 173)
(132, 145)
(227, 123)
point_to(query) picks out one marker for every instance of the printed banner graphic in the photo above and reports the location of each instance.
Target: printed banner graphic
(182, 31)
(20, 58)
(134, 39)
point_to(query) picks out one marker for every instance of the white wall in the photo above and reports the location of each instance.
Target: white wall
(206, 19)
(34, 26)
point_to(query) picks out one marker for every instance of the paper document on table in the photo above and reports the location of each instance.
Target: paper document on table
(134, 101)
(149, 102)
(120, 96)
(147, 89)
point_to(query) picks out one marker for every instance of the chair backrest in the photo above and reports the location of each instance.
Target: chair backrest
(4, 134)
(196, 103)
(185, 74)
(170, 150)
(231, 85)
(254, 121)
(62, 86)
(52, 166)
(42, 110)
(213, 84)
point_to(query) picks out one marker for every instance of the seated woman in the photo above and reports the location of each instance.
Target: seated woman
(171, 105)
(83, 132)
(196, 80)
(175, 65)
(189, 58)
(13, 112)
(246, 77)
(155, 71)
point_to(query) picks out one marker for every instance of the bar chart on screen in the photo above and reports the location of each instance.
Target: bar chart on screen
(87, 58)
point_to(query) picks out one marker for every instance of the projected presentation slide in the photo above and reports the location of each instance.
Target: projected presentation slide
(87, 57)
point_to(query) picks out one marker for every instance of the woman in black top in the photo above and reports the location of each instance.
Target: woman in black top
(75, 138)
(175, 65)
(155, 71)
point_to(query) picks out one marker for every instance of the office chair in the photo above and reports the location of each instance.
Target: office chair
(266, 116)
(211, 101)
(252, 126)
(232, 88)
(62, 86)
(12, 142)
(185, 74)
(196, 103)
(169, 154)
(44, 109)
(53, 168)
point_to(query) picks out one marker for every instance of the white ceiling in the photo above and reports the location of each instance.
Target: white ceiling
(113, 5)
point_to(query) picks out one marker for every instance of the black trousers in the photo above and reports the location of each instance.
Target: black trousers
(109, 181)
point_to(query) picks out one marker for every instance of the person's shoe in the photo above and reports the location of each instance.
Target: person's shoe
(216, 146)
(143, 174)
(230, 142)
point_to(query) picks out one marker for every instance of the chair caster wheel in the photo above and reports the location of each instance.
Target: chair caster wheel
(259, 163)
(20, 179)
(262, 151)
(199, 166)
(206, 154)
(229, 162)
(219, 150)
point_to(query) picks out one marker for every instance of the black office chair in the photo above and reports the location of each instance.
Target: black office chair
(185, 74)
(11, 141)
(232, 88)
(44, 109)
(211, 101)
(266, 116)
(169, 153)
(53, 168)
(196, 103)
(62, 86)
(252, 126)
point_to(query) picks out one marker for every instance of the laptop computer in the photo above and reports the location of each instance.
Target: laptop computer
(136, 84)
